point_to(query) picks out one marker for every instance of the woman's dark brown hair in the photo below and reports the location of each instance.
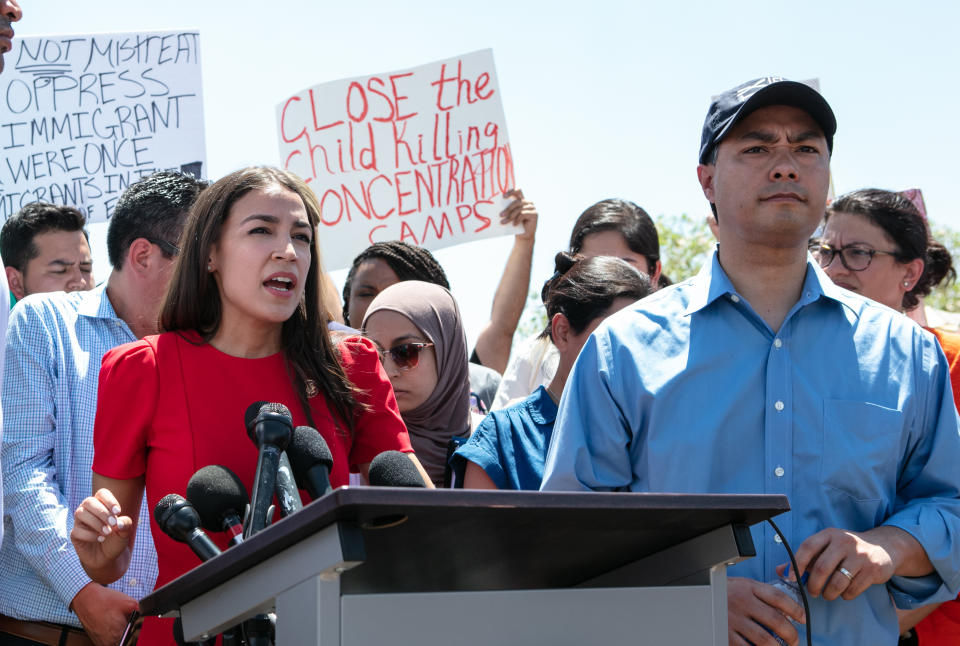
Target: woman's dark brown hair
(584, 288)
(193, 299)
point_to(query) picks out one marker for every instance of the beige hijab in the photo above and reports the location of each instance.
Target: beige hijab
(446, 412)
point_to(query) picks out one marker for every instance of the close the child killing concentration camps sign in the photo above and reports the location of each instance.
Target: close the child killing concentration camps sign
(83, 117)
(419, 155)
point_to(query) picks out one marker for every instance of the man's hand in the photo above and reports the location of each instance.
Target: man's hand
(520, 212)
(843, 564)
(103, 613)
(754, 607)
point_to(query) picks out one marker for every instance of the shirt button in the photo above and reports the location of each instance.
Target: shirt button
(734, 298)
(777, 343)
(777, 539)
(132, 581)
(778, 405)
(779, 472)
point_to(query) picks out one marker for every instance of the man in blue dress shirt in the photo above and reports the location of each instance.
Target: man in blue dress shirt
(759, 375)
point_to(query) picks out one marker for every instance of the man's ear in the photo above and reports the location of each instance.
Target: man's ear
(705, 174)
(560, 331)
(16, 283)
(140, 255)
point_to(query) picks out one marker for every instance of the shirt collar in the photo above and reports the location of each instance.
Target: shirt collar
(712, 283)
(541, 407)
(96, 304)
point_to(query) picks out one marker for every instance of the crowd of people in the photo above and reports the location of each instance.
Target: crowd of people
(793, 363)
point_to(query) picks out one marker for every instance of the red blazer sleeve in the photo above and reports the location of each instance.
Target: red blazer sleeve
(126, 402)
(380, 428)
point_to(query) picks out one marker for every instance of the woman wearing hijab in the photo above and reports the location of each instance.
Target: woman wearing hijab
(417, 329)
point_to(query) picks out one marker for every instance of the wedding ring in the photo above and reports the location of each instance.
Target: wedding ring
(845, 572)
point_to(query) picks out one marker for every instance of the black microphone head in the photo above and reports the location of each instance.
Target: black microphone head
(250, 416)
(278, 427)
(394, 469)
(307, 449)
(253, 413)
(216, 491)
(176, 516)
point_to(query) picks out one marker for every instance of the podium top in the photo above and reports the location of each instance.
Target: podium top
(419, 540)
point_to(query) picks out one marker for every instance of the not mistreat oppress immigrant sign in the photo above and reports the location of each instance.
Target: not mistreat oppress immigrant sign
(82, 117)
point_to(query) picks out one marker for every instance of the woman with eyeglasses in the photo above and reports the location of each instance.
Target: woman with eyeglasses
(417, 329)
(243, 323)
(877, 243)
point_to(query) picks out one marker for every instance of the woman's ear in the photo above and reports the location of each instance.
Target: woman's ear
(914, 270)
(560, 331)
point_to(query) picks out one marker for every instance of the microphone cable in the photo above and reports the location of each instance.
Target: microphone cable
(796, 572)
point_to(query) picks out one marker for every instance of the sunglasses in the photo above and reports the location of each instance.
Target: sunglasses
(405, 355)
(166, 247)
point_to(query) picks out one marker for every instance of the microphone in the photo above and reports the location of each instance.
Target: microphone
(219, 497)
(271, 431)
(285, 487)
(180, 521)
(394, 469)
(311, 460)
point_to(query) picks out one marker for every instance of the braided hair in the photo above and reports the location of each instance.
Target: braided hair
(407, 261)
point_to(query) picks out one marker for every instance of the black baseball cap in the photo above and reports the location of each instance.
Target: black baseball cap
(733, 105)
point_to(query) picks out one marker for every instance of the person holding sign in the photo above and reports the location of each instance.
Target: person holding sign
(611, 227)
(243, 323)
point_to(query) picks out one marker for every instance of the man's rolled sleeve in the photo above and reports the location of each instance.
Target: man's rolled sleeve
(928, 496)
(583, 454)
(33, 501)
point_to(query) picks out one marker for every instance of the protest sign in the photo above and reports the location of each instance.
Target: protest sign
(82, 117)
(420, 155)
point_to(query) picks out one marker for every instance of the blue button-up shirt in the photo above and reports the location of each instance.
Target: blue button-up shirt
(54, 347)
(510, 444)
(847, 410)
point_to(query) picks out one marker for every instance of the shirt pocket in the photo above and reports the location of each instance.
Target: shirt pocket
(860, 449)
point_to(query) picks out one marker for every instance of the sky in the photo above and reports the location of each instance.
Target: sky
(602, 99)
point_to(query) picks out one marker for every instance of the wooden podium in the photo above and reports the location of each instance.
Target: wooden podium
(372, 566)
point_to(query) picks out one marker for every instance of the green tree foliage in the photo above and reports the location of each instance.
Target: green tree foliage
(685, 242)
(947, 295)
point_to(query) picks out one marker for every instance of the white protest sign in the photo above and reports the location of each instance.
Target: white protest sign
(420, 155)
(83, 117)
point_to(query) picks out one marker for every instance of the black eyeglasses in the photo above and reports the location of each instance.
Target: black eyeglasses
(166, 247)
(853, 257)
(405, 355)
